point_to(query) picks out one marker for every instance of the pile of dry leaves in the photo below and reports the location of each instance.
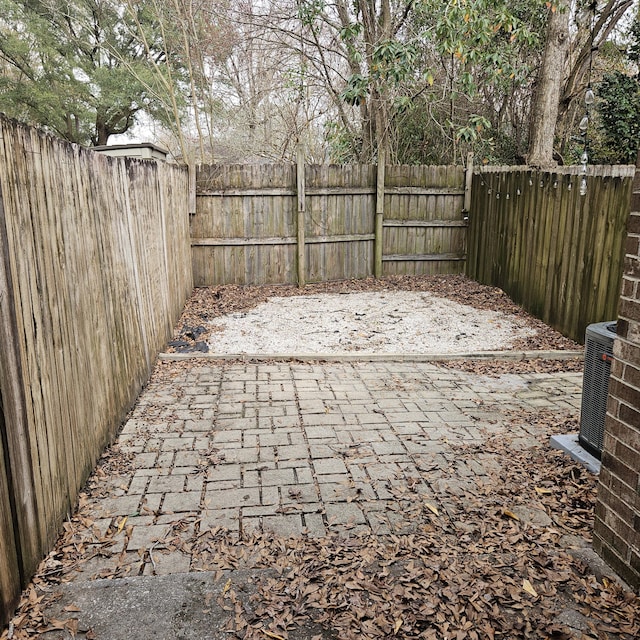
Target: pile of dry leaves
(499, 559)
(473, 569)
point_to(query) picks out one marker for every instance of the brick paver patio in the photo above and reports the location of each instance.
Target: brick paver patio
(295, 447)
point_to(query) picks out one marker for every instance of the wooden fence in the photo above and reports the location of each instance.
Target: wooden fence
(257, 224)
(554, 251)
(94, 272)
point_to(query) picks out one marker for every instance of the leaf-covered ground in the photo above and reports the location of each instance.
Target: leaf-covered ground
(502, 557)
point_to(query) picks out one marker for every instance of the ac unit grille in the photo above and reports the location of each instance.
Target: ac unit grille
(595, 388)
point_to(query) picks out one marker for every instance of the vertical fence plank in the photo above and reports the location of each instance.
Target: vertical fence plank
(16, 482)
(300, 184)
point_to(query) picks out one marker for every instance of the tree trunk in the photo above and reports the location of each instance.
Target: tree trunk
(544, 113)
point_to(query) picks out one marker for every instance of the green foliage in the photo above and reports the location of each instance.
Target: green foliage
(357, 90)
(78, 68)
(309, 11)
(447, 76)
(617, 137)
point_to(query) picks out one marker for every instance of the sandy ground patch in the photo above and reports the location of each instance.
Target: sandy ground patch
(414, 322)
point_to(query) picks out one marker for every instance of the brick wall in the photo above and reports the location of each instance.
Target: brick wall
(617, 521)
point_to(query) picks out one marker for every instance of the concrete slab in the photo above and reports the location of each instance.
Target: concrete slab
(570, 444)
(184, 606)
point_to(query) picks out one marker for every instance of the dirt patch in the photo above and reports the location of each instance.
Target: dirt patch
(210, 303)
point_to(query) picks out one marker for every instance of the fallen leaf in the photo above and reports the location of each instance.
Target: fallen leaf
(510, 514)
(72, 608)
(432, 508)
(528, 587)
(544, 492)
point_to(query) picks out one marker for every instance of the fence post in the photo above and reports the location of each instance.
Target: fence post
(300, 182)
(377, 265)
(468, 181)
(191, 168)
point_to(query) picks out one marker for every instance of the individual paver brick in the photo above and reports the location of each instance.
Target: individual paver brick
(382, 471)
(272, 439)
(299, 493)
(166, 484)
(119, 506)
(250, 478)
(225, 518)
(292, 452)
(270, 496)
(321, 451)
(215, 498)
(222, 472)
(342, 513)
(251, 525)
(371, 417)
(234, 424)
(297, 437)
(138, 485)
(145, 460)
(267, 454)
(167, 563)
(336, 491)
(244, 455)
(388, 448)
(165, 459)
(326, 466)
(277, 477)
(314, 524)
(357, 471)
(283, 525)
(222, 437)
(344, 437)
(177, 444)
(322, 419)
(145, 535)
(304, 475)
(194, 482)
(291, 420)
(198, 425)
(188, 458)
(365, 435)
(151, 503)
(180, 502)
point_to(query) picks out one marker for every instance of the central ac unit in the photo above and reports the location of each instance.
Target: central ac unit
(598, 357)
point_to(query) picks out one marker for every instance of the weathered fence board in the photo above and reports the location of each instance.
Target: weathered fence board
(245, 229)
(423, 228)
(94, 271)
(556, 252)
